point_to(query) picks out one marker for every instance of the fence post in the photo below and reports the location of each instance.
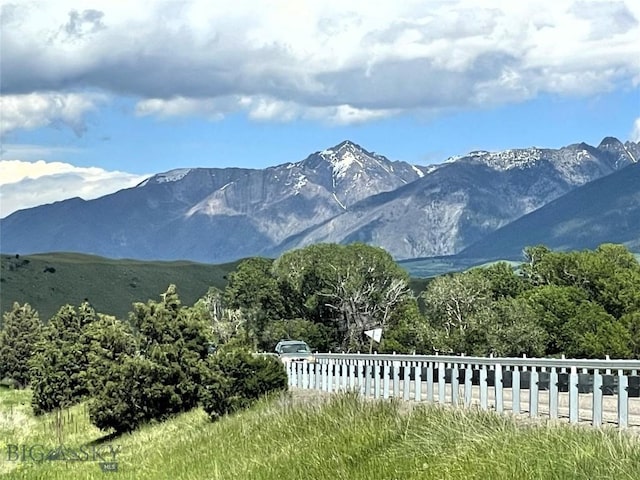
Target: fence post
(623, 397)
(454, 384)
(498, 389)
(597, 398)
(418, 381)
(484, 388)
(352, 374)
(305, 376)
(360, 376)
(533, 392)
(386, 375)
(553, 393)
(367, 377)
(468, 384)
(406, 379)
(442, 370)
(574, 403)
(396, 378)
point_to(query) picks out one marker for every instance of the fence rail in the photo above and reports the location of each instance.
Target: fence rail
(597, 391)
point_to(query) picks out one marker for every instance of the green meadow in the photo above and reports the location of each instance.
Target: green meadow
(306, 435)
(49, 281)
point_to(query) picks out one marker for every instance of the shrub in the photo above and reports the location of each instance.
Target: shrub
(236, 378)
(133, 393)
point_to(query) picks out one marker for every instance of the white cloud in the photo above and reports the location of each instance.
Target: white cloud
(29, 184)
(47, 108)
(635, 133)
(335, 60)
(210, 108)
(259, 108)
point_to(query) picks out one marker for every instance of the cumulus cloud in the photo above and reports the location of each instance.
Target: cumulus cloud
(29, 184)
(338, 60)
(35, 110)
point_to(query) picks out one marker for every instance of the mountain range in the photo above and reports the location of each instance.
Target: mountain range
(341, 194)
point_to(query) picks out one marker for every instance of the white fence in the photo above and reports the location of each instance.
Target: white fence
(597, 391)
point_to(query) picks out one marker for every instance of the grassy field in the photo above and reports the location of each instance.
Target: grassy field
(321, 437)
(48, 281)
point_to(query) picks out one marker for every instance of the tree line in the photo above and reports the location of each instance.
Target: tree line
(160, 361)
(583, 304)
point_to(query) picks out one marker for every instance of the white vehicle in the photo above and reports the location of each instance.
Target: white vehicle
(294, 351)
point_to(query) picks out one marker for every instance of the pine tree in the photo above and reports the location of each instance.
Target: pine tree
(21, 331)
(161, 379)
(59, 366)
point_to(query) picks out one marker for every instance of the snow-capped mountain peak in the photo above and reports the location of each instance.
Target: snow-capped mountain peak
(342, 160)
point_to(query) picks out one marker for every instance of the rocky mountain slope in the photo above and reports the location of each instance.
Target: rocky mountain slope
(468, 197)
(209, 214)
(606, 210)
(341, 194)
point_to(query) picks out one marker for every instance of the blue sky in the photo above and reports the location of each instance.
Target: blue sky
(98, 94)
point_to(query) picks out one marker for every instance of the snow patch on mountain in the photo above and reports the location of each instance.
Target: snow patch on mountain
(419, 172)
(172, 175)
(300, 183)
(509, 159)
(339, 202)
(341, 163)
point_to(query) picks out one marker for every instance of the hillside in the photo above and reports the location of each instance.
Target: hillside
(606, 210)
(310, 436)
(48, 281)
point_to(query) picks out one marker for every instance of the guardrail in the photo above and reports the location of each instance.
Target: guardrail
(597, 391)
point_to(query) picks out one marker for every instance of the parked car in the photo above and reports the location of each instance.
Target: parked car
(294, 351)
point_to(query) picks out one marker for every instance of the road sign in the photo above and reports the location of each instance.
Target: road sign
(375, 334)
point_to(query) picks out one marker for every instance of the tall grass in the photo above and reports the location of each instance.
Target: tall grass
(335, 437)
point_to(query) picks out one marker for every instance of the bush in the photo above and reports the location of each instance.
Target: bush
(237, 378)
(133, 394)
(152, 372)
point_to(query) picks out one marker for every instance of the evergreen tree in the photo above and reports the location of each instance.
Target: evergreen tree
(21, 332)
(164, 377)
(110, 341)
(59, 366)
